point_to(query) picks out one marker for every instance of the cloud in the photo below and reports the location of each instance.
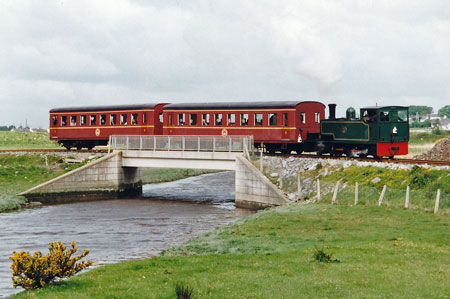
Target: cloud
(62, 53)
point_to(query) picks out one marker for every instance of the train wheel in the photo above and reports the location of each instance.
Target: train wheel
(79, 147)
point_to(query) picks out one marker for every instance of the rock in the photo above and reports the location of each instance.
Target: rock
(274, 174)
(376, 180)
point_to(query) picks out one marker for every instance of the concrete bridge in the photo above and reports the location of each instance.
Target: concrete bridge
(118, 174)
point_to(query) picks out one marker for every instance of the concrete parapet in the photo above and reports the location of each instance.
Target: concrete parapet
(253, 189)
(104, 178)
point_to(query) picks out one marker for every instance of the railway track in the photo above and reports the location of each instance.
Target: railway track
(396, 161)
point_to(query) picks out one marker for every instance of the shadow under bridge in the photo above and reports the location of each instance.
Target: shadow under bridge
(194, 152)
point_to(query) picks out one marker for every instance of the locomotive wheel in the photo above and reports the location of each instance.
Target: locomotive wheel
(79, 147)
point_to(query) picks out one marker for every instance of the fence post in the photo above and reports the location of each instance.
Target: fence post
(183, 142)
(281, 179)
(198, 143)
(214, 144)
(356, 193)
(154, 143)
(333, 200)
(407, 197)
(436, 204)
(140, 143)
(109, 144)
(261, 162)
(380, 200)
(168, 143)
(127, 142)
(318, 190)
(230, 145)
(299, 186)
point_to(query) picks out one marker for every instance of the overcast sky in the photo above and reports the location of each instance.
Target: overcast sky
(353, 53)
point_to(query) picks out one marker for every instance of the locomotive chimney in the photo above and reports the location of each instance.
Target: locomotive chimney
(332, 110)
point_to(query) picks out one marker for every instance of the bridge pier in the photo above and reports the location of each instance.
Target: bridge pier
(104, 178)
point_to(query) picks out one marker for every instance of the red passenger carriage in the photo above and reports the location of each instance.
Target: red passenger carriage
(90, 126)
(279, 126)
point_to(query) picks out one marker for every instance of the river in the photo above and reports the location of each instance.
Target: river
(165, 215)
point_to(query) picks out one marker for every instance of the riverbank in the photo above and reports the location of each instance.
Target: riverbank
(19, 172)
(382, 252)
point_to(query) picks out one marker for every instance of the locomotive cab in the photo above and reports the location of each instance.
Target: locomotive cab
(388, 129)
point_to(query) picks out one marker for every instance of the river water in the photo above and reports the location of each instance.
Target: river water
(165, 215)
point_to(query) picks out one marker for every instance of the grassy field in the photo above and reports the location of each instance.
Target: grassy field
(160, 175)
(29, 140)
(421, 138)
(383, 253)
(21, 172)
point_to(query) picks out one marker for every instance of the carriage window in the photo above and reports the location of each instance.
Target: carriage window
(218, 119)
(63, 121)
(193, 119)
(113, 119)
(82, 120)
(231, 119)
(54, 120)
(402, 115)
(317, 117)
(103, 119)
(285, 119)
(181, 120)
(258, 119)
(303, 118)
(123, 119)
(272, 119)
(134, 119)
(384, 116)
(205, 119)
(73, 120)
(144, 117)
(244, 119)
(93, 120)
(161, 117)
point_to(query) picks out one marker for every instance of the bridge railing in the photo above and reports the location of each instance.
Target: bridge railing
(203, 143)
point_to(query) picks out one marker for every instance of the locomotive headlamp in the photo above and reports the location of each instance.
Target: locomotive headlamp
(394, 130)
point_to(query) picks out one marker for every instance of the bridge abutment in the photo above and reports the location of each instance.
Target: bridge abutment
(104, 178)
(253, 189)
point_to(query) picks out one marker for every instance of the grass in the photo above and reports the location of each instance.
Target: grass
(383, 252)
(28, 140)
(160, 175)
(21, 172)
(420, 138)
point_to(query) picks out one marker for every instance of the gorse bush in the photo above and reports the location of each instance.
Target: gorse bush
(32, 272)
(321, 256)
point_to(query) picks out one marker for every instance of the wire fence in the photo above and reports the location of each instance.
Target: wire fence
(347, 194)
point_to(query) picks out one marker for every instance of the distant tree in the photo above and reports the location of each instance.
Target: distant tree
(7, 128)
(424, 124)
(422, 110)
(444, 111)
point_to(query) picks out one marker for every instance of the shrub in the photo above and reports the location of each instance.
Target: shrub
(32, 272)
(183, 292)
(321, 256)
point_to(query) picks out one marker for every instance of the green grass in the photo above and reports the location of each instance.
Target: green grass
(21, 172)
(416, 138)
(29, 140)
(383, 252)
(159, 175)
